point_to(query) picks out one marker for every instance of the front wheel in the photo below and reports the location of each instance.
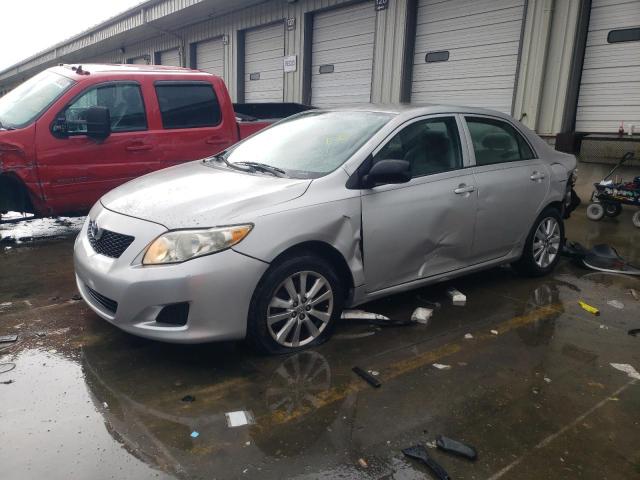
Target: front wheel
(295, 305)
(595, 211)
(544, 243)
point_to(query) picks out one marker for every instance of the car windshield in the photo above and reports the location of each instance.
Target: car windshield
(25, 103)
(311, 144)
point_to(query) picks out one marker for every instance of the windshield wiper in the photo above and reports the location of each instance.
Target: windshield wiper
(221, 158)
(278, 172)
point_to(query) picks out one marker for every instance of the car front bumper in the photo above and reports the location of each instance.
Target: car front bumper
(218, 287)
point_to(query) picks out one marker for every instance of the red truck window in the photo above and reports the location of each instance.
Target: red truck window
(188, 104)
(123, 100)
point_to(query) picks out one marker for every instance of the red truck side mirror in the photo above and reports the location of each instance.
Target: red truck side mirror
(98, 123)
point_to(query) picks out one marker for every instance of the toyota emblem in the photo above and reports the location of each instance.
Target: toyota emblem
(96, 231)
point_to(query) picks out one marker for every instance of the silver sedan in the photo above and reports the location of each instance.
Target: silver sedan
(328, 209)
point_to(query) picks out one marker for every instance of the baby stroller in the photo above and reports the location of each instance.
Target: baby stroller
(608, 197)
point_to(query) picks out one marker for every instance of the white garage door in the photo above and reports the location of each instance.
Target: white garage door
(466, 52)
(210, 56)
(170, 57)
(342, 55)
(263, 69)
(610, 85)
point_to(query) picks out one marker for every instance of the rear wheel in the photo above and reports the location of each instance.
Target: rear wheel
(295, 305)
(612, 209)
(542, 249)
(595, 211)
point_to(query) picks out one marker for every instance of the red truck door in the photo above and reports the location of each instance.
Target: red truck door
(195, 122)
(76, 170)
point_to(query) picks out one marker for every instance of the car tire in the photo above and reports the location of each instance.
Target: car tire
(544, 244)
(595, 211)
(279, 310)
(612, 209)
(636, 219)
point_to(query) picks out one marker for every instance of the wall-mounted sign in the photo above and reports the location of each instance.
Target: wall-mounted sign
(382, 4)
(291, 23)
(290, 63)
(254, 76)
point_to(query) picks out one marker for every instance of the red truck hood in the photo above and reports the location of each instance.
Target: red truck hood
(195, 195)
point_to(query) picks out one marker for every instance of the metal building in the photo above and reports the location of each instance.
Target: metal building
(565, 67)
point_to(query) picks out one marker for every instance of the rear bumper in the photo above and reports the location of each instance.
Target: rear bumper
(218, 288)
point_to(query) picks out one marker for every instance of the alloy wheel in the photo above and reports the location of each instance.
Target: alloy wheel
(546, 243)
(300, 309)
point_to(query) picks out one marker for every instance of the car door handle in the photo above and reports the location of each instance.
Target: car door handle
(537, 176)
(463, 188)
(138, 147)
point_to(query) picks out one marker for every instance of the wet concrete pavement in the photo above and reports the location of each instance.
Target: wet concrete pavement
(537, 400)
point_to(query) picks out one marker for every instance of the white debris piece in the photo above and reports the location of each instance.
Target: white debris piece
(626, 368)
(616, 304)
(457, 298)
(362, 315)
(441, 366)
(494, 332)
(421, 315)
(239, 418)
(547, 379)
(468, 336)
(105, 404)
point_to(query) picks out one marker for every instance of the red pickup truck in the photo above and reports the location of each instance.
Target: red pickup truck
(72, 133)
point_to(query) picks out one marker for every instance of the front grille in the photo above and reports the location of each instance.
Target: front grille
(108, 243)
(110, 305)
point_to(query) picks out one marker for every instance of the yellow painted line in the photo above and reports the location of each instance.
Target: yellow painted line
(403, 367)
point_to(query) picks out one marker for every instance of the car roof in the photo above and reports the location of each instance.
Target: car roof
(415, 110)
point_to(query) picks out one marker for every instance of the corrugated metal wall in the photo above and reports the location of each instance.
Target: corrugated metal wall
(543, 75)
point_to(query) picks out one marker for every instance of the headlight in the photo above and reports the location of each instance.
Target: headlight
(181, 245)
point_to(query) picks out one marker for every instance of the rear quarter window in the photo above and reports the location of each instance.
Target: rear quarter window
(188, 105)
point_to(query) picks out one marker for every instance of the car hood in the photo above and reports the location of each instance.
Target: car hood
(196, 195)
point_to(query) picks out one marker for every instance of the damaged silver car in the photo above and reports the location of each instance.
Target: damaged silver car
(328, 209)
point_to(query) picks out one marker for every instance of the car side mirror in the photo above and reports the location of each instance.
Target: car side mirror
(388, 172)
(98, 123)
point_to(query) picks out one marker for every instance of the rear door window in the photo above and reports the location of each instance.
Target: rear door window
(495, 141)
(125, 104)
(188, 105)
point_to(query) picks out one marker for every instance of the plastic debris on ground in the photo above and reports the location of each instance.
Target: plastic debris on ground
(367, 377)
(494, 332)
(453, 446)
(6, 367)
(105, 404)
(458, 298)
(602, 258)
(422, 315)
(418, 452)
(362, 462)
(362, 315)
(374, 319)
(589, 308)
(8, 338)
(626, 368)
(547, 379)
(441, 366)
(616, 304)
(195, 434)
(239, 418)
(468, 336)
